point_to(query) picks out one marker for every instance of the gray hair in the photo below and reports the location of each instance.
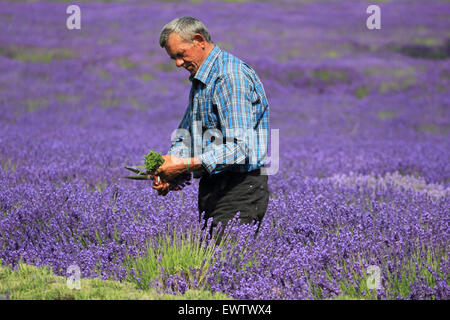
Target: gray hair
(185, 27)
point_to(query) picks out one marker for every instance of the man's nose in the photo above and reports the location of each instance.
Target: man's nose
(179, 62)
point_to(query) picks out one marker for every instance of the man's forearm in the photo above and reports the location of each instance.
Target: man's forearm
(193, 164)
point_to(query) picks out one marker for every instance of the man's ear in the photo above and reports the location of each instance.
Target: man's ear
(198, 39)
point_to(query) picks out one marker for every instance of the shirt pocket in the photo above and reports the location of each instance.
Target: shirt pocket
(258, 108)
(206, 114)
(253, 101)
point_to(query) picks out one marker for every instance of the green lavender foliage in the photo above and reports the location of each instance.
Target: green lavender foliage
(171, 254)
(153, 160)
(29, 282)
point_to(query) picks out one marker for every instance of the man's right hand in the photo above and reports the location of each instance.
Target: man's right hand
(162, 188)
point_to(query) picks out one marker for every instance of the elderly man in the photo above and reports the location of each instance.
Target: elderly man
(223, 136)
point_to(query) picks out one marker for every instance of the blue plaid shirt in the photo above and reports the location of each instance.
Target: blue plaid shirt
(226, 124)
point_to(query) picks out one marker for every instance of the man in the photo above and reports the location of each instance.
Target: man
(223, 136)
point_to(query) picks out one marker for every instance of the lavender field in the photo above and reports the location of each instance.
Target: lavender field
(364, 127)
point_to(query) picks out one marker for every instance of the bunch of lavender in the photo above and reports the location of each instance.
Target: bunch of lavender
(153, 160)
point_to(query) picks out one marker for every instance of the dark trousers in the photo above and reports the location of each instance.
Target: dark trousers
(222, 195)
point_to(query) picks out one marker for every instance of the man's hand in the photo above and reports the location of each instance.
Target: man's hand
(171, 168)
(162, 187)
(173, 174)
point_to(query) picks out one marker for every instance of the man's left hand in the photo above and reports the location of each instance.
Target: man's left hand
(171, 168)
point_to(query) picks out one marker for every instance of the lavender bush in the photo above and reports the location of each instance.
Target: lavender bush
(364, 123)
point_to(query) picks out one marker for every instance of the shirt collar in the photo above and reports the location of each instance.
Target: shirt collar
(204, 69)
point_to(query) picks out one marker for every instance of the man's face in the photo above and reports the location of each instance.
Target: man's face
(187, 55)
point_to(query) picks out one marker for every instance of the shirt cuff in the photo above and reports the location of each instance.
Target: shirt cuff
(212, 165)
(208, 162)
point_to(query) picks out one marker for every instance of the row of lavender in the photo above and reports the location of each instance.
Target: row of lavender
(363, 177)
